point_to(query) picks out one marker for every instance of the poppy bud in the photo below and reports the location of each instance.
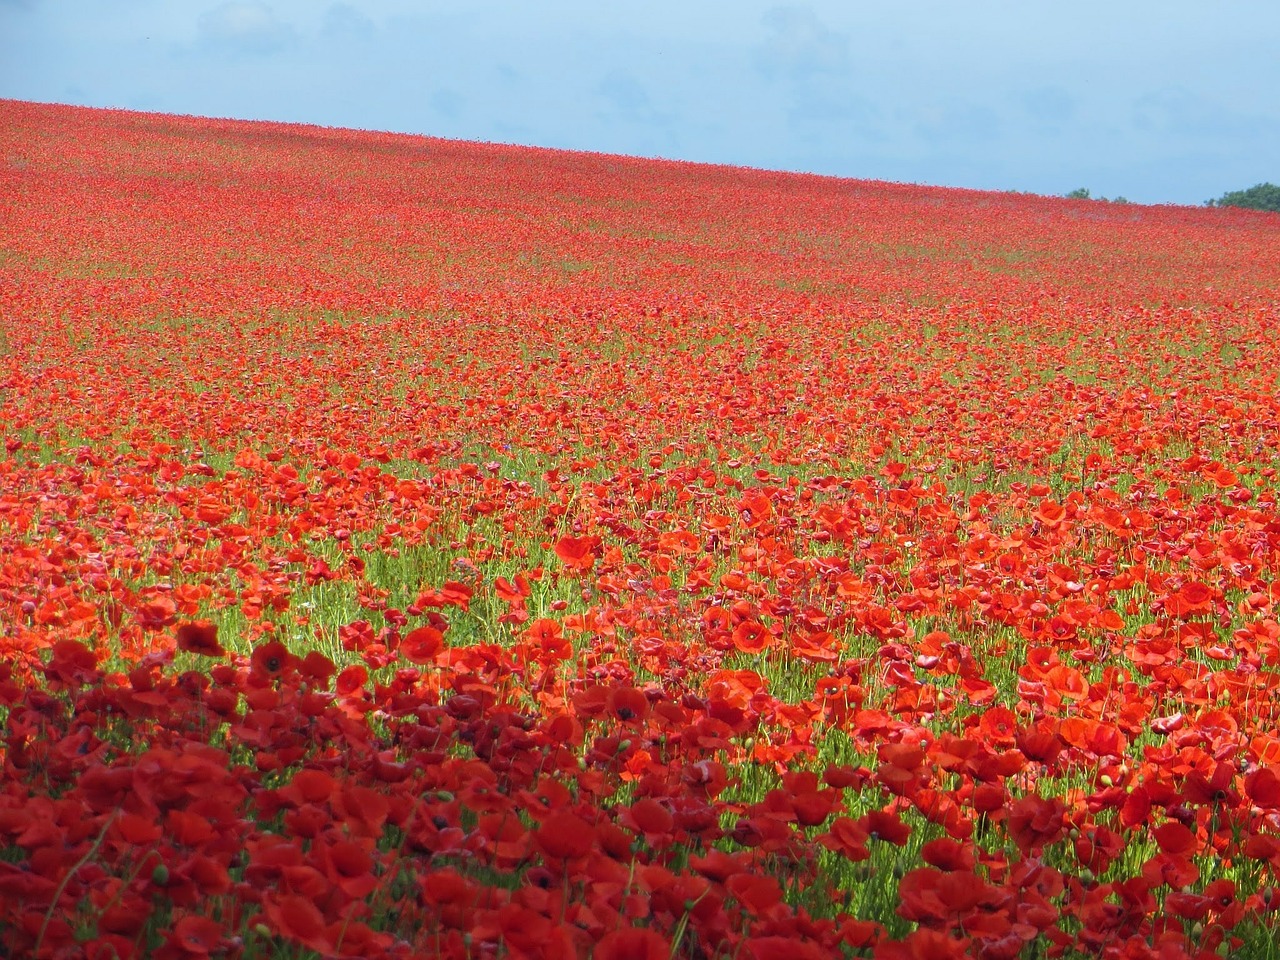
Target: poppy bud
(160, 875)
(262, 930)
(1106, 780)
(444, 795)
(624, 746)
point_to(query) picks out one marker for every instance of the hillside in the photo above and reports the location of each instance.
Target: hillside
(412, 547)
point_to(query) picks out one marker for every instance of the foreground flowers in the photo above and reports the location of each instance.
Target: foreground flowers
(190, 814)
(556, 556)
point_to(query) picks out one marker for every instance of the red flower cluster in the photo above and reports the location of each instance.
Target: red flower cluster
(411, 549)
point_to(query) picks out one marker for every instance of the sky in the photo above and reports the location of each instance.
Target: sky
(1158, 101)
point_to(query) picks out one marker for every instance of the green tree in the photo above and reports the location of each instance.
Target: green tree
(1080, 193)
(1264, 196)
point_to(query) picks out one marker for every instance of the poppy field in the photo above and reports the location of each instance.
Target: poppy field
(413, 548)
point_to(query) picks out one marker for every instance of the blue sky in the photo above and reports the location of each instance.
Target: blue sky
(1156, 100)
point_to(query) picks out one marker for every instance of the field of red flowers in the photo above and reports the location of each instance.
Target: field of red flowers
(412, 548)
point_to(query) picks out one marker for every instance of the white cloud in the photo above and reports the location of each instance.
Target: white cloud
(244, 29)
(343, 21)
(799, 46)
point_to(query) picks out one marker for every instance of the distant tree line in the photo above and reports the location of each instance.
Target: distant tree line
(1264, 196)
(1082, 193)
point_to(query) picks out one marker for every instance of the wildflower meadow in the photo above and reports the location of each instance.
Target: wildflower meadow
(413, 548)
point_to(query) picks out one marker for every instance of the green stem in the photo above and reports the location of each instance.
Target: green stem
(62, 887)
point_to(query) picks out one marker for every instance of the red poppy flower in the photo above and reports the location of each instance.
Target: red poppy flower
(72, 662)
(680, 542)
(632, 943)
(848, 838)
(565, 836)
(546, 641)
(930, 896)
(512, 592)
(309, 786)
(1190, 599)
(199, 637)
(1035, 822)
(363, 809)
(1175, 838)
(752, 637)
(271, 659)
(948, 855)
(1050, 513)
(1220, 893)
(650, 818)
(349, 866)
(316, 667)
(782, 948)
(886, 826)
(577, 553)
(297, 918)
(351, 680)
(628, 704)
(198, 936)
(999, 726)
(157, 612)
(422, 644)
(1061, 629)
(1263, 787)
(1041, 744)
(1217, 788)
(755, 892)
(452, 594)
(924, 945)
(1165, 869)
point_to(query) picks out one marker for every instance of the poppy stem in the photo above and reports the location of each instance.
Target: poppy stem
(62, 887)
(129, 880)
